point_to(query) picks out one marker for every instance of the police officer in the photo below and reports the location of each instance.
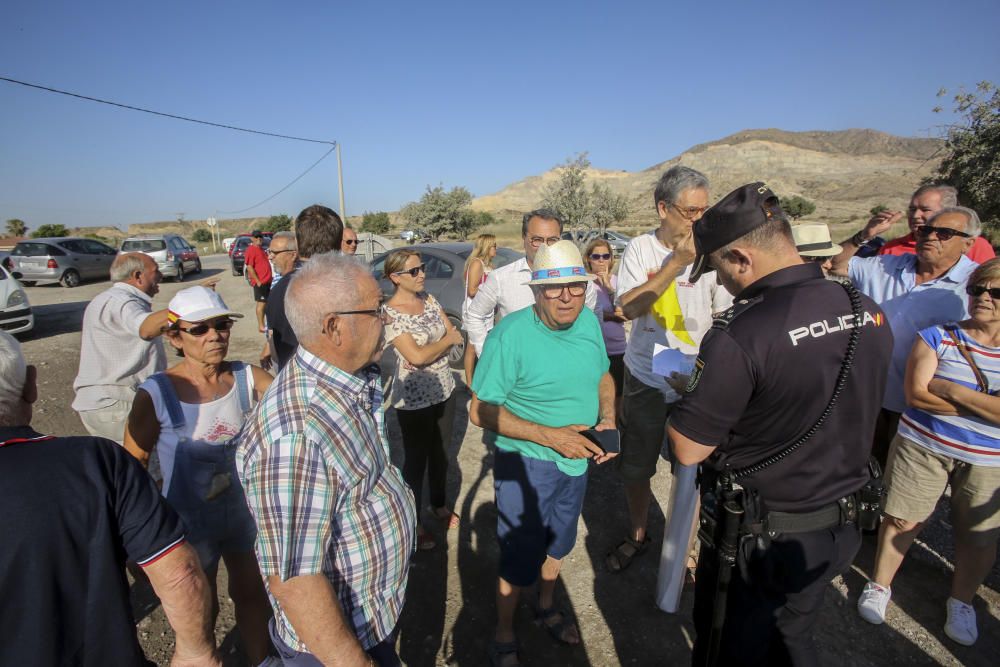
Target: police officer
(766, 373)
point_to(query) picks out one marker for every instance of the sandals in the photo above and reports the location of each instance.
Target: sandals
(500, 650)
(557, 628)
(622, 555)
(448, 519)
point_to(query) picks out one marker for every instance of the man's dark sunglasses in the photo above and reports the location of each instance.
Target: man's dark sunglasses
(414, 271)
(943, 233)
(979, 290)
(278, 252)
(600, 255)
(350, 242)
(202, 328)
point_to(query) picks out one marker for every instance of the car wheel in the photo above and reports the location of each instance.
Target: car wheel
(180, 273)
(70, 279)
(235, 272)
(457, 358)
(197, 266)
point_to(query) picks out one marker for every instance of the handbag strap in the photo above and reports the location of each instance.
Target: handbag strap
(963, 348)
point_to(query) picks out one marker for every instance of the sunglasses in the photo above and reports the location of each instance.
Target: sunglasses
(943, 233)
(979, 290)
(600, 255)
(202, 328)
(413, 272)
(350, 242)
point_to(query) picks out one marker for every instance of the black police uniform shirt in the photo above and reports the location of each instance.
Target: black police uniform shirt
(282, 337)
(761, 383)
(74, 509)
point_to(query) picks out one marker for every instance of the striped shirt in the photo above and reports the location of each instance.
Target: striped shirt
(967, 437)
(314, 462)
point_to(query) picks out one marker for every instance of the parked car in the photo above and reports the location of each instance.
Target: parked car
(238, 251)
(173, 255)
(415, 236)
(616, 240)
(445, 265)
(65, 259)
(15, 310)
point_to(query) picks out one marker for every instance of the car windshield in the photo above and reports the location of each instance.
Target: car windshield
(144, 245)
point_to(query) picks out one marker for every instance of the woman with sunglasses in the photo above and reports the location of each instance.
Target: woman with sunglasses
(949, 436)
(600, 261)
(422, 386)
(477, 267)
(189, 415)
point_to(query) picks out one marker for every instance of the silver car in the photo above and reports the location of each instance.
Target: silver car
(68, 260)
(174, 256)
(15, 310)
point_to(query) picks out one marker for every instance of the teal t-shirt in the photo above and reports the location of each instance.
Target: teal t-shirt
(545, 376)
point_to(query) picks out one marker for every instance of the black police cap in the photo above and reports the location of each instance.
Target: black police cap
(740, 212)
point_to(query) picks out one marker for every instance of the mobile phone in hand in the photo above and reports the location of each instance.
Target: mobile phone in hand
(608, 440)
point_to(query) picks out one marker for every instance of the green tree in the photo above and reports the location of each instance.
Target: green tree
(201, 235)
(607, 207)
(972, 153)
(376, 223)
(47, 231)
(277, 223)
(568, 195)
(441, 212)
(16, 227)
(877, 208)
(796, 207)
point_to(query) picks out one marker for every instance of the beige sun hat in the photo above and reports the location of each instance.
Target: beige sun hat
(558, 264)
(812, 239)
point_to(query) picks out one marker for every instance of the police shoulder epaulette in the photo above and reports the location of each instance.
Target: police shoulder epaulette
(725, 318)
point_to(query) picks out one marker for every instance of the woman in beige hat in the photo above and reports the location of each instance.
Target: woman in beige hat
(812, 240)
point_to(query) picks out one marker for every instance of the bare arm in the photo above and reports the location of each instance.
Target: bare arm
(261, 381)
(920, 368)
(687, 451)
(482, 310)
(421, 355)
(153, 325)
(968, 400)
(254, 280)
(142, 428)
(878, 224)
(639, 300)
(183, 589)
(312, 607)
(474, 278)
(606, 399)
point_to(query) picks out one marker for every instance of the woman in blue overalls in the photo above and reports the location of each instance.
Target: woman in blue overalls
(190, 413)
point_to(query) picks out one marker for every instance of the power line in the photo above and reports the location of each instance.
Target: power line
(314, 164)
(168, 115)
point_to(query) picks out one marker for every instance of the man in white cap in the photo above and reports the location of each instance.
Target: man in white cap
(542, 379)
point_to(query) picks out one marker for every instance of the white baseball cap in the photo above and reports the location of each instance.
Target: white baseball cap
(197, 304)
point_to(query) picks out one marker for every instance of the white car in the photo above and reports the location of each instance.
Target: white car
(15, 311)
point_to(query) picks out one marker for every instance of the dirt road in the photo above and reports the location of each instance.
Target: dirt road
(449, 612)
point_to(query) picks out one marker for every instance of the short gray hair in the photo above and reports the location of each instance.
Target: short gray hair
(675, 181)
(13, 375)
(289, 236)
(949, 194)
(973, 227)
(326, 283)
(125, 265)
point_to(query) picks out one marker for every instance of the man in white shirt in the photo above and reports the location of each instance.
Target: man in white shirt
(506, 289)
(666, 309)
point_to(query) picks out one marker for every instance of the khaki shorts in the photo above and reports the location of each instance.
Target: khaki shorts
(917, 477)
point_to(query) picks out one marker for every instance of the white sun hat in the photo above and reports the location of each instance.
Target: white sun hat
(197, 304)
(812, 239)
(558, 264)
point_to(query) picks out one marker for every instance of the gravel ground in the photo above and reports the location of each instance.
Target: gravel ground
(449, 616)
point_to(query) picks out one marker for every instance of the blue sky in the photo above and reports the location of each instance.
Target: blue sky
(456, 93)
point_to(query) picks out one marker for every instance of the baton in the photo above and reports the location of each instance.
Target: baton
(732, 517)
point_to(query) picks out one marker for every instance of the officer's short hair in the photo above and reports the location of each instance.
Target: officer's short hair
(973, 226)
(676, 180)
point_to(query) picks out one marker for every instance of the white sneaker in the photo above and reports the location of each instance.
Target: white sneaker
(873, 601)
(961, 623)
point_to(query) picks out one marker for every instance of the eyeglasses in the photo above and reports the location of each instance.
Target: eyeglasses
(536, 241)
(979, 290)
(691, 212)
(350, 242)
(377, 312)
(202, 328)
(600, 255)
(943, 233)
(278, 252)
(413, 272)
(556, 291)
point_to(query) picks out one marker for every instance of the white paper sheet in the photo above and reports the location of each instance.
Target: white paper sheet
(667, 360)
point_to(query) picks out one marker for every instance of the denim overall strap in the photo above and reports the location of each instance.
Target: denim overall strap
(174, 411)
(240, 371)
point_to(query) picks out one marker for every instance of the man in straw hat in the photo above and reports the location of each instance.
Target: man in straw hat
(798, 360)
(542, 379)
(812, 241)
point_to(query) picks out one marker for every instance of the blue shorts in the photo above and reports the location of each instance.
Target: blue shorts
(538, 507)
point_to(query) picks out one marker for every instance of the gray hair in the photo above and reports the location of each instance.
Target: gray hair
(949, 194)
(125, 265)
(973, 226)
(13, 375)
(326, 283)
(288, 236)
(675, 181)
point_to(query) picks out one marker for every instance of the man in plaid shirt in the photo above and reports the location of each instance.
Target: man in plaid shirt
(336, 522)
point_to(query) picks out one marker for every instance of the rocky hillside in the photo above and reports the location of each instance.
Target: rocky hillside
(845, 173)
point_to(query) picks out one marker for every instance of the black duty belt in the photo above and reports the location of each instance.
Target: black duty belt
(835, 514)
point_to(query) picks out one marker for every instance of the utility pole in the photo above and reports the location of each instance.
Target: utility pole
(340, 179)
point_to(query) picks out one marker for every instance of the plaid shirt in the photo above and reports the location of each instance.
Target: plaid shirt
(314, 462)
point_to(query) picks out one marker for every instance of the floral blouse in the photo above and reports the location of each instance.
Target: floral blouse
(415, 387)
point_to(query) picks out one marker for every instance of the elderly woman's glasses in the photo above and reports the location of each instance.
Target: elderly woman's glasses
(413, 272)
(556, 291)
(203, 328)
(979, 290)
(943, 233)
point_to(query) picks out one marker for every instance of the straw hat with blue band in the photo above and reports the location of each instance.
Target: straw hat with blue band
(559, 264)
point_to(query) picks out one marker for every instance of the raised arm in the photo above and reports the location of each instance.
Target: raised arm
(879, 223)
(639, 300)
